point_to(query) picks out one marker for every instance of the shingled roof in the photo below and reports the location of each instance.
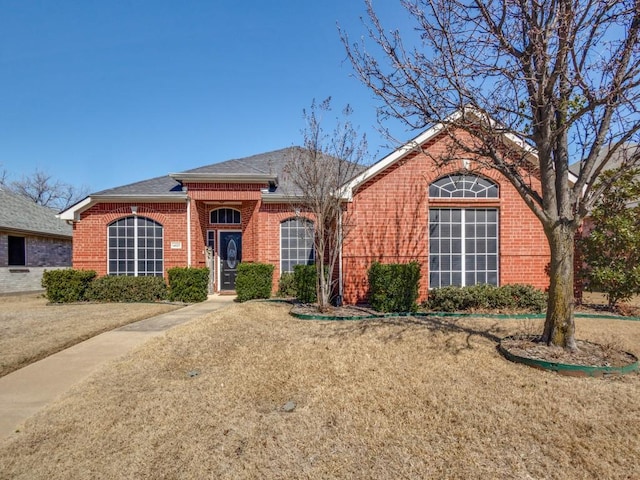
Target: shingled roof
(21, 214)
(270, 163)
(265, 168)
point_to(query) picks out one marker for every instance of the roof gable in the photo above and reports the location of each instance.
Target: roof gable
(414, 145)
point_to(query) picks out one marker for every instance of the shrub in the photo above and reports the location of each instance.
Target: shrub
(287, 285)
(189, 285)
(527, 297)
(394, 287)
(486, 297)
(68, 285)
(254, 280)
(122, 288)
(611, 251)
(305, 279)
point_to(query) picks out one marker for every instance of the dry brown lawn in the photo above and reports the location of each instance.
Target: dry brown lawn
(406, 398)
(30, 329)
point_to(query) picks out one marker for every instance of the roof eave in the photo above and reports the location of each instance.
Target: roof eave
(37, 233)
(73, 212)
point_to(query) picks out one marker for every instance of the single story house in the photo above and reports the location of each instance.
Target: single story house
(464, 225)
(32, 239)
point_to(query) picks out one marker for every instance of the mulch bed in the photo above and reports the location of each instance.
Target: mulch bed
(588, 354)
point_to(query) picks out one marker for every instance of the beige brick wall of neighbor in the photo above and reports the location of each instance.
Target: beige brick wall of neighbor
(22, 279)
(41, 253)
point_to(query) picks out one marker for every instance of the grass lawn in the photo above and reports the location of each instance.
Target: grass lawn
(405, 398)
(30, 329)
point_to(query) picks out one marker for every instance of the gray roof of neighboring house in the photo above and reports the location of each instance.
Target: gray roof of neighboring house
(616, 159)
(19, 213)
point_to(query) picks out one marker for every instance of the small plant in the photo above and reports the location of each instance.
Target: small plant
(254, 280)
(68, 285)
(189, 285)
(305, 279)
(286, 286)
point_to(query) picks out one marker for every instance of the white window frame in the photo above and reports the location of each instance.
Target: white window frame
(308, 226)
(217, 209)
(136, 249)
(463, 247)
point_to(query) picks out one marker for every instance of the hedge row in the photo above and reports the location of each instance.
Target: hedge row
(392, 288)
(187, 285)
(487, 297)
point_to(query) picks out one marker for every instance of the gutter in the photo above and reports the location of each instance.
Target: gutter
(73, 213)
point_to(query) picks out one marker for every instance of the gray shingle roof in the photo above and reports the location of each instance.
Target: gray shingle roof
(270, 163)
(22, 214)
(154, 186)
(623, 153)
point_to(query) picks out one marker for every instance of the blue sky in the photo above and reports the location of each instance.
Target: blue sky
(105, 93)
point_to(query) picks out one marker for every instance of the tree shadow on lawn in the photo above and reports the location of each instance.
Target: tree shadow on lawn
(408, 325)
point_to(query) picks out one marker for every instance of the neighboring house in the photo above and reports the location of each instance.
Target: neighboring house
(32, 239)
(464, 225)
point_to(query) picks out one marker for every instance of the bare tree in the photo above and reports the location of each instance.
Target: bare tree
(45, 190)
(317, 173)
(562, 75)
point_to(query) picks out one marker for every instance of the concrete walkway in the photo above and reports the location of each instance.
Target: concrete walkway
(25, 391)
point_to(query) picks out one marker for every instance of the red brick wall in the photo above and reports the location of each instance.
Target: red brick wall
(387, 221)
(260, 226)
(390, 217)
(90, 233)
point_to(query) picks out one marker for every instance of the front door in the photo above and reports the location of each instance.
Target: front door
(230, 257)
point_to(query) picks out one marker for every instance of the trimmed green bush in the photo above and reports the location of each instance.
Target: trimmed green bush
(305, 279)
(487, 297)
(254, 280)
(287, 286)
(122, 288)
(68, 285)
(188, 285)
(394, 287)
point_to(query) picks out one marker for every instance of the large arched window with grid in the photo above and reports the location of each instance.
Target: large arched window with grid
(135, 247)
(463, 186)
(463, 241)
(296, 243)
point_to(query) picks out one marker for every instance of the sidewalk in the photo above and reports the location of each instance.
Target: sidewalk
(25, 391)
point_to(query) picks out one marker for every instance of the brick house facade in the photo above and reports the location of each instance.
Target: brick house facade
(462, 223)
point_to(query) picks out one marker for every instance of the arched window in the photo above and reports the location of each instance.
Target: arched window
(463, 186)
(135, 246)
(296, 244)
(227, 216)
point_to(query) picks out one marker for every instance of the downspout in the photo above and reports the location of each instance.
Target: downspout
(340, 285)
(188, 232)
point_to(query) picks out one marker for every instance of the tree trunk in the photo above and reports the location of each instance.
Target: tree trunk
(559, 327)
